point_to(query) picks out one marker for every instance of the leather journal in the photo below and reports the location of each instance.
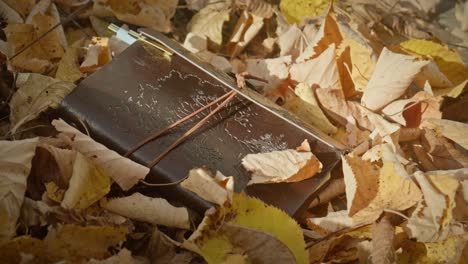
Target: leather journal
(142, 91)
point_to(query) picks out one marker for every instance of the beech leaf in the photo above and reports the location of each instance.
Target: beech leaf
(123, 171)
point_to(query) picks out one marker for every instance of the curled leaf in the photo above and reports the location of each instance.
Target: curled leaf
(147, 209)
(213, 188)
(123, 171)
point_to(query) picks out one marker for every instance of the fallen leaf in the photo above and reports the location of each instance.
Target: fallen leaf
(215, 60)
(100, 27)
(77, 243)
(247, 212)
(334, 104)
(88, 184)
(156, 211)
(213, 188)
(14, 250)
(23, 7)
(321, 70)
(40, 7)
(195, 43)
(9, 15)
(32, 59)
(36, 93)
(446, 251)
(281, 166)
(273, 70)
(296, 10)
(430, 220)
(335, 188)
(432, 74)
(163, 249)
(209, 22)
(123, 171)
(383, 233)
(305, 106)
(452, 130)
(334, 221)
(453, 92)
(153, 14)
(441, 152)
(69, 68)
(15, 164)
(246, 29)
(259, 8)
(448, 61)
(97, 55)
(290, 42)
(386, 84)
(51, 43)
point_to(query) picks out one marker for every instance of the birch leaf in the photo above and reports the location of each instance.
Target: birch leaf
(123, 171)
(87, 185)
(452, 130)
(209, 187)
(36, 93)
(305, 106)
(321, 70)
(209, 22)
(15, 164)
(156, 211)
(281, 166)
(386, 84)
(448, 61)
(247, 212)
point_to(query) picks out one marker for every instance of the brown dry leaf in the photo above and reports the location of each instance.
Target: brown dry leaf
(88, 184)
(79, 37)
(398, 111)
(33, 59)
(15, 164)
(335, 188)
(432, 218)
(156, 211)
(76, 243)
(15, 250)
(281, 166)
(123, 171)
(9, 15)
(162, 249)
(432, 74)
(328, 34)
(452, 130)
(446, 251)
(155, 14)
(23, 7)
(386, 84)
(100, 27)
(209, 22)
(69, 67)
(213, 188)
(246, 29)
(305, 105)
(36, 93)
(321, 70)
(383, 233)
(97, 55)
(40, 7)
(441, 152)
(52, 43)
(370, 189)
(334, 104)
(64, 158)
(259, 8)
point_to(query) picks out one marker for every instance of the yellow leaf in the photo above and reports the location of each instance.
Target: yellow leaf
(123, 171)
(11, 252)
(449, 61)
(249, 213)
(15, 165)
(69, 68)
(296, 10)
(453, 92)
(54, 192)
(76, 243)
(87, 185)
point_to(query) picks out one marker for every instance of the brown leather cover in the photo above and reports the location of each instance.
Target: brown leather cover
(140, 92)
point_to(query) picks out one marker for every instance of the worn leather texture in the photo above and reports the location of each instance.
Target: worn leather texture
(141, 92)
